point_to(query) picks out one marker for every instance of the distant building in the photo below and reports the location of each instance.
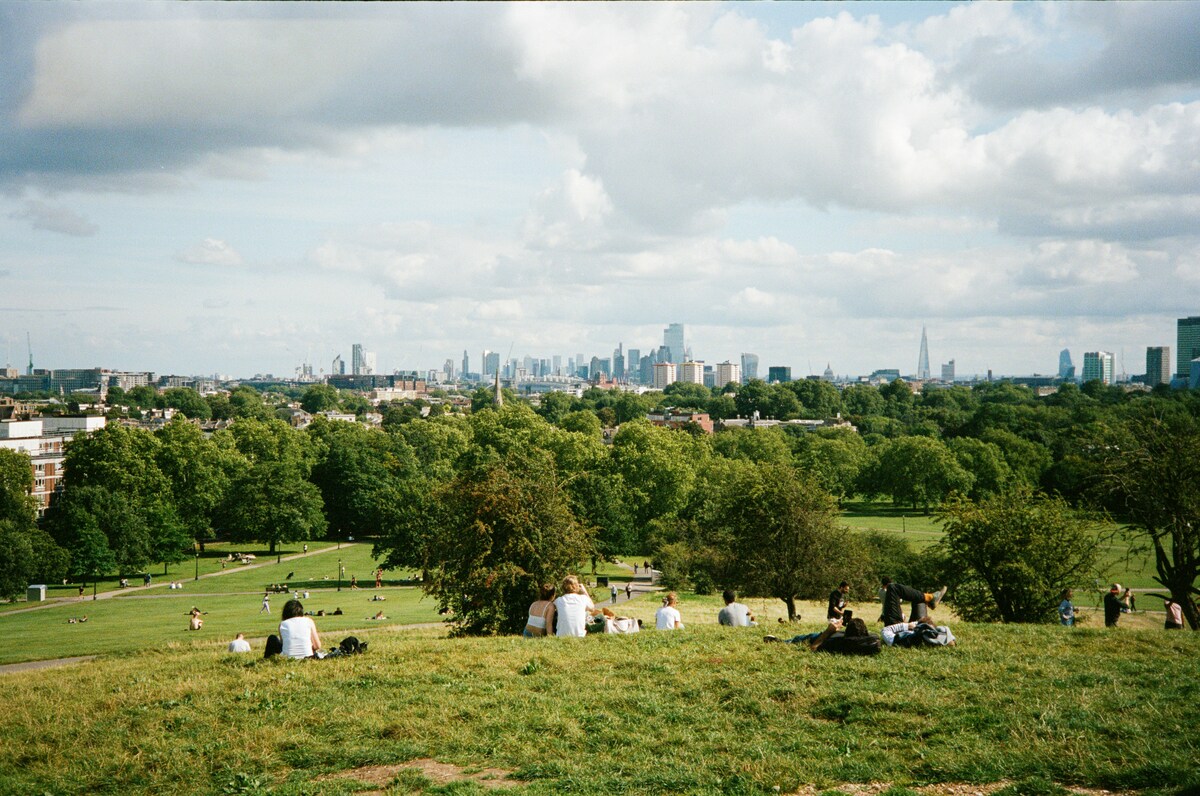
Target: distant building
(673, 341)
(1158, 365)
(923, 358)
(1066, 369)
(1187, 344)
(338, 366)
(691, 372)
(779, 374)
(828, 374)
(948, 372)
(1098, 365)
(673, 419)
(466, 365)
(44, 440)
(887, 375)
(749, 366)
(726, 373)
(664, 374)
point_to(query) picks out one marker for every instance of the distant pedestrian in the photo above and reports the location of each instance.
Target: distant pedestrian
(81, 591)
(635, 569)
(146, 579)
(613, 591)
(1066, 609)
(306, 548)
(1129, 600)
(628, 591)
(1112, 606)
(266, 604)
(354, 582)
(1174, 615)
(379, 578)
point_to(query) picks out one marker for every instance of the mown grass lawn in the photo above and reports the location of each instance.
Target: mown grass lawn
(706, 710)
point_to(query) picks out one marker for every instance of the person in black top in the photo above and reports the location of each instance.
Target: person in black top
(893, 594)
(1112, 606)
(837, 602)
(853, 639)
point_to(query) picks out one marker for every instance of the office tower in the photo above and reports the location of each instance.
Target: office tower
(466, 363)
(618, 362)
(448, 367)
(556, 364)
(491, 363)
(1187, 344)
(358, 365)
(727, 372)
(369, 363)
(664, 374)
(948, 372)
(923, 360)
(1158, 365)
(691, 372)
(633, 362)
(749, 366)
(777, 374)
(338, 368)
(1066, 369)
(673, 342)
(1098, 365)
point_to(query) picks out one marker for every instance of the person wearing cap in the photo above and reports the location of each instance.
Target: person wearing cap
(1112, 605)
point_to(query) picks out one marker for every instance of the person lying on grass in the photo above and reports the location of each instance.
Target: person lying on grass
(893, 594)
(921, 633)
(852, 639)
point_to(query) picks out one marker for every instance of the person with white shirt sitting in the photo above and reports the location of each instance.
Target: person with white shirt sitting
(668, 617)
(572, 609)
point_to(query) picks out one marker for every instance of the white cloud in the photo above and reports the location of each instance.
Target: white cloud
(55, 218)
(211, 251)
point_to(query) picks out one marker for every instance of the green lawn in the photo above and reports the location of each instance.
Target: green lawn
(707, 710)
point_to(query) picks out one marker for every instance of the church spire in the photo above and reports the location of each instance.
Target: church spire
(498, 396)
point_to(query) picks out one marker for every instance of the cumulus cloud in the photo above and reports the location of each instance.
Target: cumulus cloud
(211, 251)
(55, 218)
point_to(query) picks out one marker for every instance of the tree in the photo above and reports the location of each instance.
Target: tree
(187, 401)
(198, 470)
(915, 470)
(834, 459)
(689, 395)
(818, 399)
(986, 464)
(772, 531)
(498, 532)
(248, 402)
(754, 444)
(1149, 472)
(319, 398)
(659, 468)
(1011, 555)
(26, 552)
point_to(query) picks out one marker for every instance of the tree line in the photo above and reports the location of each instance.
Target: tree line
(491, 503)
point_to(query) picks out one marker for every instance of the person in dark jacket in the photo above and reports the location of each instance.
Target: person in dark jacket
(1113, 606)
(894, 594)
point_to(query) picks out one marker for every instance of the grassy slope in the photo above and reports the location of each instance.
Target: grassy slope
(705, 710)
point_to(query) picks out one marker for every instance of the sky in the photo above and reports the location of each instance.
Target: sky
(240, 188)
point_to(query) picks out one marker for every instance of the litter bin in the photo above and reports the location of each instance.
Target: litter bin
(35, 594)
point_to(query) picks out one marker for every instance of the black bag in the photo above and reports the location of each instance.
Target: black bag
(352, 646)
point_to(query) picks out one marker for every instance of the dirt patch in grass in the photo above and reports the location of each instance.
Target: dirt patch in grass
(437, 773)
(940, 789)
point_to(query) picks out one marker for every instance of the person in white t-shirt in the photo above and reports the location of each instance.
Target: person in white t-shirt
(668, 617)
(572, 609)
(297, 632)
(239, 644)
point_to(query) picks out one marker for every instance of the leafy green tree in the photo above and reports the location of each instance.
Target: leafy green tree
(554, 406)
(753, 397)
(773, 532)
(219, 406)
(248, 402)
(659, 469)
(583, 422)
(144, 397)
(753, 444)
(986, 464)
(1026, 460)
(818, 399)
(1011, 555)
(270, 498)
(1149, 472)
(27, 553)
(722, 407)
(319, 398)
(687, 395)
(187, 401)
(914, 470)
(862, 400)
(834, 459)
(498, 531)
(198, 471)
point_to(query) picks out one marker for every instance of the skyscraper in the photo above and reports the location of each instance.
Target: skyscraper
(691, 372)
(1158, 365)
(727, 372)
(923, 360)
(673, 341)
(1098, 365)
(749, 366)
(664, 374)
(358, 362)
(1188, 344)
(1066, 369)
(948, 372)
(338, 368)
(466, 364)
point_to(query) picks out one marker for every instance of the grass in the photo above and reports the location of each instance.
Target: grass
(707, 710)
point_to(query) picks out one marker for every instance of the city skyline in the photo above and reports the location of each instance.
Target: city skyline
(245, 188)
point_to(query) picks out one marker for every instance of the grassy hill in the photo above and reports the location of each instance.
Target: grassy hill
(705, 710)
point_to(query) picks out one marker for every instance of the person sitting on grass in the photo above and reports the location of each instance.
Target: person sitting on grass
(195, 622)
(734, 614)
(540, 621)
(668, 617)
(572, 609)
(297, 637)
(921, 633)
(893, 594)
(239, 644)
(853, 639)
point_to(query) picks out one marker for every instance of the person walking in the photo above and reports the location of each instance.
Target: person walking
(628, 591)
(1112, 605)
(612, 590)
(266, 603)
